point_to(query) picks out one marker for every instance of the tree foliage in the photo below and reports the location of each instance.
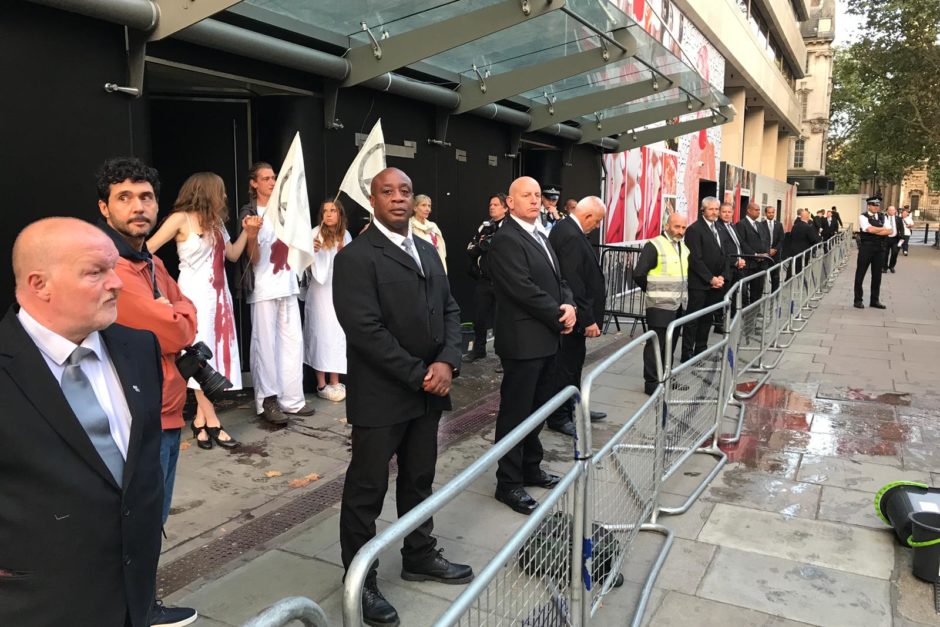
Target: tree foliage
(886, 94)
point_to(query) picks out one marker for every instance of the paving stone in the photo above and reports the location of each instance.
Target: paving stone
(414, 608)
(241, 594)
(843, 473)
(797, 590)
(741, 486)
(824, 544)
(689, 524)
(851, 507)
(679, 610)
(317, 537)
(915, 598)
(685, 564)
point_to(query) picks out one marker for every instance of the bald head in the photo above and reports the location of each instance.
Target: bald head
(589, 211)
(525, 199)
(65, 279)
(675, 226)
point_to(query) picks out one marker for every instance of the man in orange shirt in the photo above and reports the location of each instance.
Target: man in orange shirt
(151, 300)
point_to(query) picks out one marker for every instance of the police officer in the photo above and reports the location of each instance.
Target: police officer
(484, 299)
(871, 251)
(550, 214)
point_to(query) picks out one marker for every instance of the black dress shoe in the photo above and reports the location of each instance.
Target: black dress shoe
(438, 569)
(518, 500)
(598, 415)
(649, 390)
(859, 305)
(376, 611)
(567, 428)
(892, 270)
(719, 329)
(472, 357)
(877, 305)
(546, 480)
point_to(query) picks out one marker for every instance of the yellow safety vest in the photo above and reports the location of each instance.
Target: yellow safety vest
(667, 285)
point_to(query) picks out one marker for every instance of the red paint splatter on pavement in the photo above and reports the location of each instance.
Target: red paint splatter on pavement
(224, 319)
(279, 256)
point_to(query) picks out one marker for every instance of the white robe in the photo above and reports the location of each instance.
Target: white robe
(324, 340)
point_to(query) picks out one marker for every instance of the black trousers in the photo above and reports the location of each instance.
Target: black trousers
(755, 288)
(568, 369)
(774, 277)
(414, 442)
(891, 254)
(527, 384)
(869, 255)
(650, 378)
(695, 333)
(484, 305)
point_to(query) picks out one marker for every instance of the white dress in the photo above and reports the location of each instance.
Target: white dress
(202, 280)
(324, 340)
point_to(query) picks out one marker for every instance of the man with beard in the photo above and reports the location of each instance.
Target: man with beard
(127, 198)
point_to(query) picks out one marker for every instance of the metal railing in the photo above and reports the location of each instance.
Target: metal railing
(560, 564)
(625, 299)
(288, 610)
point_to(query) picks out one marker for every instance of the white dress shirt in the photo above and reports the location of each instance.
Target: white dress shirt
(538, 232)
(864, 224)
(399, 240)
(104, 379)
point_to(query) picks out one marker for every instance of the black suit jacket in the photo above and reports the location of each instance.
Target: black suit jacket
(829, 228)
(803, 236)
(706, 258)
(581, 270)
(529, 294)
(836, 218)
(775, 238)
(397, 323)
(75, 547)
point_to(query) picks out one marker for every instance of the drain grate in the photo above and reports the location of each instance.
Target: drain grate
(210, 557)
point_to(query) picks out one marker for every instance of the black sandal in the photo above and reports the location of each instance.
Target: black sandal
(214, 435)
(203, 444)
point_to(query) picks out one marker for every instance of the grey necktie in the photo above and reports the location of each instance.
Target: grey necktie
(409, 247)
(81, 397)
(734, 237)
(715, 233)
(544, 243)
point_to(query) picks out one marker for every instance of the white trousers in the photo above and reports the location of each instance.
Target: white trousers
(277, 346)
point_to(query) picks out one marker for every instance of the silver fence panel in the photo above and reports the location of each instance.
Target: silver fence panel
(362, 563)
(529, 582)
(623, 484)
(288, 610)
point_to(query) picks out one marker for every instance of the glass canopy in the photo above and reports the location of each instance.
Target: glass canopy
(544, 42)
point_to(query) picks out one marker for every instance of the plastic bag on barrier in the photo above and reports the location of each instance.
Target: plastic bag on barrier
(546, 553)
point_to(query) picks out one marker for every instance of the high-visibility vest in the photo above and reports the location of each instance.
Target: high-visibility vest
(667, 285)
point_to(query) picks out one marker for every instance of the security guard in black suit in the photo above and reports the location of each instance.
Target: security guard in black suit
(871, 252)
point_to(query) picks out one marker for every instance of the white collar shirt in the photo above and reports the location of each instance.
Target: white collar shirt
(538, 233)
(104, 379)
(399, 240)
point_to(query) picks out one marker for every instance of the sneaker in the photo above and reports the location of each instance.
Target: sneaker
(333, 393)
(271, 411)
(163, 616)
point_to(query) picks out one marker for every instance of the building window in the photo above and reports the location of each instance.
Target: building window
(799, 150)
(806, 71)
(804, 102)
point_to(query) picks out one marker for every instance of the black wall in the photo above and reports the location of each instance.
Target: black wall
(57, 123)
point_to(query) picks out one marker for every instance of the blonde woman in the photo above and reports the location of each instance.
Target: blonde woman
(427, 230)
(324, 340)
(197, 223)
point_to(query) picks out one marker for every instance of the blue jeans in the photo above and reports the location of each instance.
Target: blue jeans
(169, 455)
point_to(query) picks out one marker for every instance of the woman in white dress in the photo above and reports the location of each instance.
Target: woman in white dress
(427, 230)
(324, 340)
(197, 223)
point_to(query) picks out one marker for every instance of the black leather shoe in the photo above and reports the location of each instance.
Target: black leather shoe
(546, 480)
(518, 500)
(877, 305)
(566, 428)
(598, 415)
(472, 357)
(649, 390)
(438, 569)
(719, 329)
(892, 270)
(376, 611)
(859, 305)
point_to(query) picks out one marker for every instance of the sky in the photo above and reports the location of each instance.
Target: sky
(847, 25)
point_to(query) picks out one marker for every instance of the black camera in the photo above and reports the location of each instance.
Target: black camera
(193, 362)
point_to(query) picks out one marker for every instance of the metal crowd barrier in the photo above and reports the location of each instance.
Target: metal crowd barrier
(288, 610)
(558, 567)
(625, 299)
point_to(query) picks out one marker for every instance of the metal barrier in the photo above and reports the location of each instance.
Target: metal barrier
(557, 568)
(625, 299)
(534, 602)
(289, 610)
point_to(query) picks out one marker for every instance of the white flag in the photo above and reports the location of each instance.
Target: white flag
(292, 209)
(369, 162)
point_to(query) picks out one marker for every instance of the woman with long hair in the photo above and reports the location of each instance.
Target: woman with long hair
(197, 223)
(427, 230)
(324, 340)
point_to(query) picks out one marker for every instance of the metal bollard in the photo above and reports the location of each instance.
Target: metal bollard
(290, 609)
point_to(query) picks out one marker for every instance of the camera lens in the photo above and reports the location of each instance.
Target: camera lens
(212, 383)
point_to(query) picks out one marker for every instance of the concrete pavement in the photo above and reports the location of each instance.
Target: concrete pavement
(786, 534)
